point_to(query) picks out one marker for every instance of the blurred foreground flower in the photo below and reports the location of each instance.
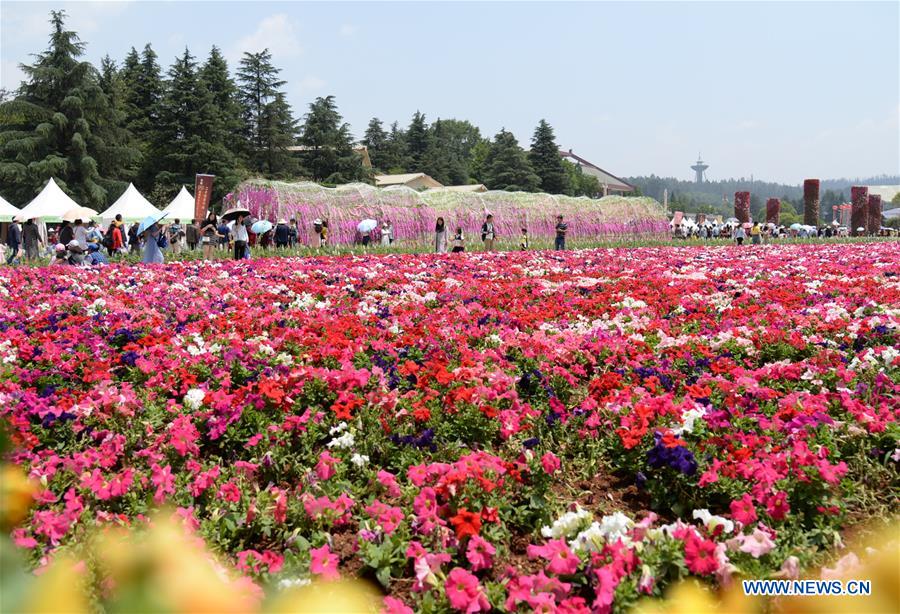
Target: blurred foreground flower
(16, 496)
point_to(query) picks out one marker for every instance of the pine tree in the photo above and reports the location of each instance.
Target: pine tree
(376, 141)
(279, 130)
(417, 138)
(507, 166)
(396, 159)
(224, 91)
(258, 85)
(191, 137)
(478, 160)
(546, 161)
(329, 156)
(62, 125)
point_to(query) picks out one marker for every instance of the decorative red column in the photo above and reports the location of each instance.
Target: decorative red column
(773, 211)
(873, 214)
(811, 202)
(859, 197)
(742, 206)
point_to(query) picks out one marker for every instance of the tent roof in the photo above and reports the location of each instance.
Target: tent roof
(50, 204)
(131, 205)
(7, 211)
(181, 207)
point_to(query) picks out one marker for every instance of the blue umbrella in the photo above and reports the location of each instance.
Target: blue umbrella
(261, 227)
(150, 220)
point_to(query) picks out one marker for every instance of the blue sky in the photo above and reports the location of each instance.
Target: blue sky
(782, 91)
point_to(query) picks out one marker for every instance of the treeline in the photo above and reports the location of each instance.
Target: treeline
(97, 128)
(717, 197)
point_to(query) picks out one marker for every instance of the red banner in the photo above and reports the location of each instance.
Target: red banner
(202, 196)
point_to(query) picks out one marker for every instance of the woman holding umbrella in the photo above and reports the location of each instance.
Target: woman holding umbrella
(154, 239)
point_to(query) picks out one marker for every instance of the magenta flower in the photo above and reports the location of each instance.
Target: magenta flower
(323, 563)
(561, 560)
(480, 553)
(743, 510)
(465, 593)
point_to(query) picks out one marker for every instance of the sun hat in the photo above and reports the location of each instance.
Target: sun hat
(317, 221)
(60, 247)
(282, 221)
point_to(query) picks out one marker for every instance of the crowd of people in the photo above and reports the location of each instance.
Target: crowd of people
(754, 232)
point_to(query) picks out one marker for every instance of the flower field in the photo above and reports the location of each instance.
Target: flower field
(554, 431)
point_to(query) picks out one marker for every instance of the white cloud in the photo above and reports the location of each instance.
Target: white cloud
(275, 33)
(348, 29)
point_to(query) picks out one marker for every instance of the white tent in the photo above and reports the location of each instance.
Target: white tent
(131, 205)
(181, 208)
(7, 211)
(49, 205)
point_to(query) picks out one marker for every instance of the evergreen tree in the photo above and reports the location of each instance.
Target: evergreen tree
(224, 91)
(396, 159)
(449, 152)
(546, 161)
(329, 156)
(478, 161)
(417, 139)
(191, 137)
(579, 184)
(258, 85)
(279, 131)
(507, 166)
(62, 125)
(376, 141)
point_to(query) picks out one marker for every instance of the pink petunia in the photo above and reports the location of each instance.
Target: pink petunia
(323, 563)
(465, 593)
(743, 510)
(561, 560)
(480, 553)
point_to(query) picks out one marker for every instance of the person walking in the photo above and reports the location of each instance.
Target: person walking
(282, 234)
(292, 233)
(31, 239)
(13, 242)
(440, 236)
(756, 234)
(240, 238)
(740, 235)
(192, 235)
(459, 242)
(115, 240)
(176, 234)
(523, 240)
(487, 232)
(153, 241)
(387, 233)
(208, 234)
(317, 234)
(561, 229)
(134, 241)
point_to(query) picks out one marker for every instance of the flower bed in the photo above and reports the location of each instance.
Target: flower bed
(414, 214)
(509, 430)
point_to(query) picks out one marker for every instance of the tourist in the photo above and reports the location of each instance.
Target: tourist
(95, 256)
(192, 235)
(739, 234)
(561, 229)
(324, 233)
(459, 242)
(93, 233)
(440, 236)
(134, 242)
(79, 233)
(265, 241)
(176, 233)
(76, 252)
(13, 242)
(755, 234)
(241, 238)
(523, 239)
(60, 256)
(387, 233)
(224, 234)
(317, 234)
(154, 240)
(292, 233)
(282, 234)
(65, 233)
(31, 239)
(487, 232)
(208, 234)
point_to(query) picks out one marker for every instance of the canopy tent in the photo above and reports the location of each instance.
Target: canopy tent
(7, 211)
(131, 205)
(50, 205)
(182, 207)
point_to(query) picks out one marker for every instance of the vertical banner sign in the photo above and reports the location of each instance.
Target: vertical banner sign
(202, 195)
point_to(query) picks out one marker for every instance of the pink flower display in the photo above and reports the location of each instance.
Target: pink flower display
(811, 202)
(452, 424)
